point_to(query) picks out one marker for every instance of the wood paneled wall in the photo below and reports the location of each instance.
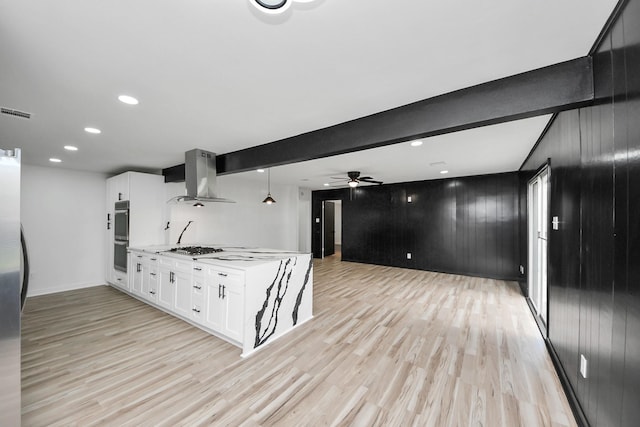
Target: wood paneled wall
(594, 257)
(462, 225)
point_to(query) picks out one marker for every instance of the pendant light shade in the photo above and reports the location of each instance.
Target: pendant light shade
(269, 200)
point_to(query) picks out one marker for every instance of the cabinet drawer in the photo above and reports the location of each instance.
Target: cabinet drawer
(226, 277)
(197, 306)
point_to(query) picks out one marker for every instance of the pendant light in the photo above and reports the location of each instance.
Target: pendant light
(269, 200)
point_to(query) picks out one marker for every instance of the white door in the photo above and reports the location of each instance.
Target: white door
(538, 235)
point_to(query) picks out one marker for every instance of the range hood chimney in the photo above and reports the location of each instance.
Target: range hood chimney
(200, 177)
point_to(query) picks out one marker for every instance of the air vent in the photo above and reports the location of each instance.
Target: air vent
(15, 113)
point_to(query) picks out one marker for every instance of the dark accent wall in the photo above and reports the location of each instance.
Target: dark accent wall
(462, 225)
(594, 256)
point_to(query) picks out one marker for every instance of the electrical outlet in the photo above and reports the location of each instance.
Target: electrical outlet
(408, 255)
(583, 366)
(409, 199)
(317, 220)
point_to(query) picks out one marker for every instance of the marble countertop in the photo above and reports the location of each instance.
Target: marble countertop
(231, 256)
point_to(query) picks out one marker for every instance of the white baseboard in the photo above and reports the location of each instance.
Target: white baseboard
(63, 288)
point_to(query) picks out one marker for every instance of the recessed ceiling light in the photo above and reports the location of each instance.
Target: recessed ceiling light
(416, 143)
(260, 170)
(70, 148)
(128, 99)
(326, 184)
(92, 130)
(443, 172)
(54, 160)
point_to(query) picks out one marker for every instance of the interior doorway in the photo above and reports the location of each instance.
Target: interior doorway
(331, 227)
(538, 219)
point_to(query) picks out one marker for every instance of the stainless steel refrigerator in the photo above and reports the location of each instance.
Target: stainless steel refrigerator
(11, 280)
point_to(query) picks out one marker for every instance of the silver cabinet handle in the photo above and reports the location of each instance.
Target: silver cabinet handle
(197, 268)
(197, 287)
(152, 274)
(223, 288)
(153, 259)
(152, 292)
(222, 274)
(219, 291)
(197, 310)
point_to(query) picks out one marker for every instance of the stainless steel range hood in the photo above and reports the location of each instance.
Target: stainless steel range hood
(200, 177)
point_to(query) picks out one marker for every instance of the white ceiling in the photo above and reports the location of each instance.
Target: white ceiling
(221, 76)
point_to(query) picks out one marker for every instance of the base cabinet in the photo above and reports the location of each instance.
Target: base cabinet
(175, 286)
(224, 303)
(138, 268)
(247, 306)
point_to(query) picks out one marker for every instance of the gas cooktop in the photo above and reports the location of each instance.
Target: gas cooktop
(195, 250)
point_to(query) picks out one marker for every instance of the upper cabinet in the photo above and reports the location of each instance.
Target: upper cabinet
(145, 193)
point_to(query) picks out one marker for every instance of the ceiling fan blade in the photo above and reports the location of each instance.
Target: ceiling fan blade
(371, 181)
(344, 178)
(364, 178)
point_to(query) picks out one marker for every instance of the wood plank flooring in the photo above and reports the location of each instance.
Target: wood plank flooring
(387, 347)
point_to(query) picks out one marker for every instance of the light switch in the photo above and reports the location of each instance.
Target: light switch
(317, 220)
(408, 255)
(409, 199)
(555, 223)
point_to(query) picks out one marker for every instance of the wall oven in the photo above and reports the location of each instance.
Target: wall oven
(121, 235)
(121, 221)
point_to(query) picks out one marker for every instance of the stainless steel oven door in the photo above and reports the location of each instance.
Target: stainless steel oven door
(120, 255)
(121, 225)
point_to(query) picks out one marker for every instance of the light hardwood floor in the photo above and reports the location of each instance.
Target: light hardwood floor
(387, 347)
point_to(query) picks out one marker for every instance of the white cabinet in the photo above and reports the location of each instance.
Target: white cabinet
(175, 286)
(145, 193)
(150, 287)
(224, 302)
(197, 293)
(166, 294)
(143, 271)
(138, 268)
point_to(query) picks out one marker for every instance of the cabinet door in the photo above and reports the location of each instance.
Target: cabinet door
(166, 289)
(122, 187)
(233, 303)
(182, 286)
(137, 268)
(213, 306)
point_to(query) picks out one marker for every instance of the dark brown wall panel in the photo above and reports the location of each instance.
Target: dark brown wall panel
(594, 258)
(463, 225)
(628, 126)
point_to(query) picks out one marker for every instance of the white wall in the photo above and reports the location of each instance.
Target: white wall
(248, 222)
(63, 219)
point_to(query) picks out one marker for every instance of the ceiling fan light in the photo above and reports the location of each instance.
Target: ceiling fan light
(353, 184)
(271, 6)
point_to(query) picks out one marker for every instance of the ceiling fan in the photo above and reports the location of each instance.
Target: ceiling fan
(353, 178)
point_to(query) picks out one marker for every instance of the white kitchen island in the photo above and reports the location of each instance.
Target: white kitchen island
(246, 296)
